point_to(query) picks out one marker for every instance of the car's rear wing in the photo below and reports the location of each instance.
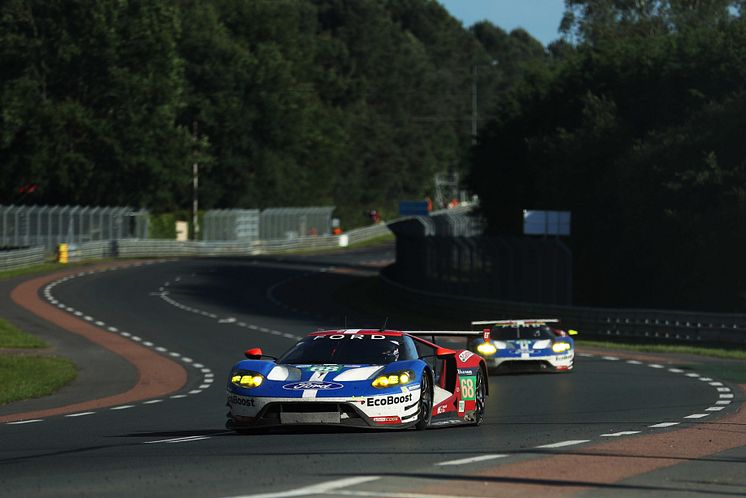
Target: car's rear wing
(450, 333)
(524, 322)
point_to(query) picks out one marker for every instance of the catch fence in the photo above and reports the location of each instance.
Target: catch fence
(47, 226)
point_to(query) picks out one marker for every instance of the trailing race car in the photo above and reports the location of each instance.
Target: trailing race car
(525, 345)
(363, 378)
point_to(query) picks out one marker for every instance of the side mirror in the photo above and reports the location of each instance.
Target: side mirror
(572, 332)
(444, 353)
(253, 353)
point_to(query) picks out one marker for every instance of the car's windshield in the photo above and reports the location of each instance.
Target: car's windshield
(366, 349)
(513, 333)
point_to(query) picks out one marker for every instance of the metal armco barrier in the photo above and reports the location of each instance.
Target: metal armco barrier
(20, 258)
(159, 248)
(662, 326)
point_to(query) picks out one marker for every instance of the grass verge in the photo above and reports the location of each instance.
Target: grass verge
(726, 354)
(48, 268)
(12, 337)
(24, 377)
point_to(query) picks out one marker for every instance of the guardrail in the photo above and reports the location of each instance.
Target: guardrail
(663, 326)
(160, 248)
(20, 258)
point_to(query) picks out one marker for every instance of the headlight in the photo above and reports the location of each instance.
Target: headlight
(560, 347)
(486, 349)
(247, 379)
(393, 379)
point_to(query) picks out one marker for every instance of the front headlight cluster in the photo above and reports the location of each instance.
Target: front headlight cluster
(486, 349)
(560, 347)
(247, 379)
(393, 379)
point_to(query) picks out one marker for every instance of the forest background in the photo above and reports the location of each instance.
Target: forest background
(633, 121)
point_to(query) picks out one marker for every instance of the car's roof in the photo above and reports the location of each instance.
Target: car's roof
(357, 332)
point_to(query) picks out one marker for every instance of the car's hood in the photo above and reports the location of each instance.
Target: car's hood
(315, 372)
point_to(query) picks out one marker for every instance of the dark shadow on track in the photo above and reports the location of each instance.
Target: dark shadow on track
(546, 482)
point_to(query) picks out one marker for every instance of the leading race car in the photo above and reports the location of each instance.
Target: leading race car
(528, 345)
(363, 378)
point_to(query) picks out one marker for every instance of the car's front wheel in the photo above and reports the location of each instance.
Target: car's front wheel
(426, 403)
(480, 395)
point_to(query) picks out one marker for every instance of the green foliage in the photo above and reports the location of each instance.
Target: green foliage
(637, 131)
(287, 102)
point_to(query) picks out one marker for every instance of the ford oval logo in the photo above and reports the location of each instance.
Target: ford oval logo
(312, 384)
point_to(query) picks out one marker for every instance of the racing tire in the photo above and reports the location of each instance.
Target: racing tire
(426, 403)
(480, 397)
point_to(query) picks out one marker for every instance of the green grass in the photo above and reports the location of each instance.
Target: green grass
(12, 337)
(727, 354)
(24, 377)
(48, 268)
(30, 270)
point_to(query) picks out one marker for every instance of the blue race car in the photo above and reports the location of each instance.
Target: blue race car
(362, 378)
(526, 345)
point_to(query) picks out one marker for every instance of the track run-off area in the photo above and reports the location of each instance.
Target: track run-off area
(154, 342)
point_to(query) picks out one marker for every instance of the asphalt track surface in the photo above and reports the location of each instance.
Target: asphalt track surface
(203, 313)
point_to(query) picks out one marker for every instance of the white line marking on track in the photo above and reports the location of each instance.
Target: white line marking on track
(726, 396)
(178, 396)
(716, 383)
(471, 460)
(315, 489)
(122, 407)
(715, 408)
(655, 365)
(384, 494)
(152, 401)
(20, 422)
(610, 358)
(723, 402)
(675, 370)
(634, 362)
(664, 424)
(705, 379)
(564, 443)
(80, 414)
(186, 439)
(692, 374)
(723, 389)
(697, 415)
(621, 433)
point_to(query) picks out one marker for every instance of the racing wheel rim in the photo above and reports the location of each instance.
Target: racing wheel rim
(426, 403)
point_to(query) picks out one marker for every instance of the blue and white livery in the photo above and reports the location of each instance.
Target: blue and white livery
(526, 344)
(364, 378)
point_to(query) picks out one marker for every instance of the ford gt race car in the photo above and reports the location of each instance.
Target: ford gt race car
(525, 345)
(360, 378)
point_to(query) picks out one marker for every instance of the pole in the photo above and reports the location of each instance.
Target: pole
(195, 188)
(474, 104)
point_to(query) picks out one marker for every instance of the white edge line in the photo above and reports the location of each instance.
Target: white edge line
(472, 459)
(315, 489)
(19, 422)
(664, 424)
(564, 443)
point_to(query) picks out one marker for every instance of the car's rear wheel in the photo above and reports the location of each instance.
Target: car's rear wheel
(480, 396)
(426, 403)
